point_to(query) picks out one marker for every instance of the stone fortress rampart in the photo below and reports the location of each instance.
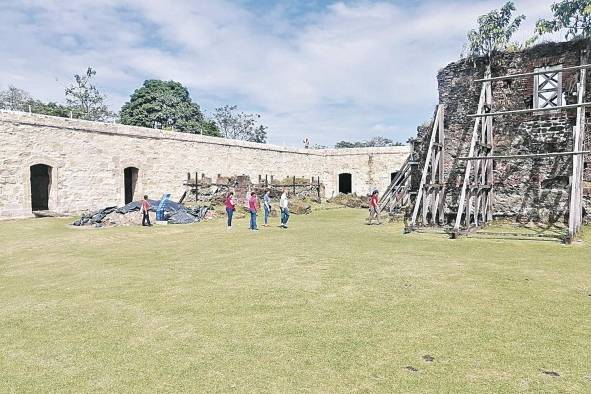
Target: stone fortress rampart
(69, 165)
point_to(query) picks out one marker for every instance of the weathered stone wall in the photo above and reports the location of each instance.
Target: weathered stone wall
(527, 189)
(88, 160)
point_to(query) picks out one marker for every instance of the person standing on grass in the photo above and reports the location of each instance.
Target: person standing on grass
(145, 209)
(252, 207)
(374, 207)
(267, 207)
(284, 206)
(230, 208)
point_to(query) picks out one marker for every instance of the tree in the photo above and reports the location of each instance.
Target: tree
(239, 126)
(51, 108)
(494, 32)
(166, 105)
(372, 143)
(572, 15)
(14, 99)
(84, 99)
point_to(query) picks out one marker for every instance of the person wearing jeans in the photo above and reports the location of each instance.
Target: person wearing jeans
(145, 212)
(284, 206)
(267, 207)
(252, 207)
(230, 207)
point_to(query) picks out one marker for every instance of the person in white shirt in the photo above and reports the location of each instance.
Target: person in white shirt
(284, 207)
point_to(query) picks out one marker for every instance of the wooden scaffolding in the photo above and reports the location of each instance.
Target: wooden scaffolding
(476, 199)
(476, 196)
(429, 204)
(398, 194)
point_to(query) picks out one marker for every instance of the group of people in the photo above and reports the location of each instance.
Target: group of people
(253, 208)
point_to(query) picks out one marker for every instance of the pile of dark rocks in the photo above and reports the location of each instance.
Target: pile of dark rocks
(174, 213)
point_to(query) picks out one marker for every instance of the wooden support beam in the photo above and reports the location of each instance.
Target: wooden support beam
(430, 168)
(575, 215)
(527, 156)
(465, 198)
(529, 110)
(514, 76)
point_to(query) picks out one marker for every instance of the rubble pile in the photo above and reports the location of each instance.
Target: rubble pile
(350, 201)
(174, 213)
(215, 193)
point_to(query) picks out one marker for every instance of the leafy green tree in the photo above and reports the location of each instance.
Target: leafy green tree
(572, 15)
(494, 32)
(50, 108)
(372, 143)
(84, 99)
(239, 125)
(166, 105)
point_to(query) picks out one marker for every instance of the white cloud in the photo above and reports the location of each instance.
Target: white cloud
(342, 71)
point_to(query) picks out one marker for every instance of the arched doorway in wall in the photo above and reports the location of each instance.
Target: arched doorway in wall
(345, 185)
(393, 175)
(130, 175)
(40, 186)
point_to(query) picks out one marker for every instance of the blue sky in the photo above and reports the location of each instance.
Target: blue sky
(326, 70)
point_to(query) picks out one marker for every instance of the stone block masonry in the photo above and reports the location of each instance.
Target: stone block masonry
(83, 163)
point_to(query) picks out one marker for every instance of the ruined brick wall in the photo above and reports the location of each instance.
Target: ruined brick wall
(88, 160)
(526, 189)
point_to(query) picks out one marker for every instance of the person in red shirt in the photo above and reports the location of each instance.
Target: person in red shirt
(374, 207)
(145, 212)
(230, 208)
(253, 207)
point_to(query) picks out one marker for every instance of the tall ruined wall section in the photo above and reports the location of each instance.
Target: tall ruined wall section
(526, 189)
(88, 161)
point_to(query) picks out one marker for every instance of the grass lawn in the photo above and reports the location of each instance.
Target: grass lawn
(329, 305)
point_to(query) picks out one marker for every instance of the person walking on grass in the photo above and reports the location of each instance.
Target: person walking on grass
(145, 209)
(284, 206)
(253, 207)
(374, 207)
(267, 207)
(230, 208)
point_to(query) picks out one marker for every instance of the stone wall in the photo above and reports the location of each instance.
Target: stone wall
(88, 159)
(527, 189)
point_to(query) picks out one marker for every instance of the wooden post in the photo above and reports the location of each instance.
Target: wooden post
(196, 186)
(266, 180)
(318, 188)
(576, 193)
(294, 186)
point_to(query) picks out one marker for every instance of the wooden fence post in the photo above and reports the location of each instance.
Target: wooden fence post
(196, 186)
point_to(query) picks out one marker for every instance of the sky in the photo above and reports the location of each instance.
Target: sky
(323, 70)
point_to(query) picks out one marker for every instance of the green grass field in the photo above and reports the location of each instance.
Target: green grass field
(330, 305)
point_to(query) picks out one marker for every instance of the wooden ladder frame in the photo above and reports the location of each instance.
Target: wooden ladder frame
(397, 195)
(429, 204)
(476, 198)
